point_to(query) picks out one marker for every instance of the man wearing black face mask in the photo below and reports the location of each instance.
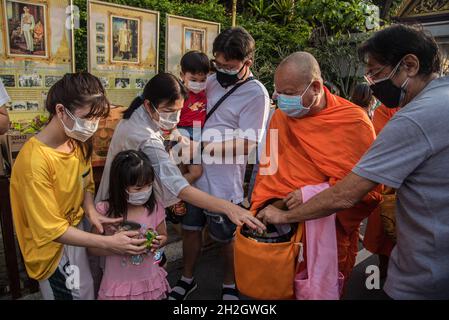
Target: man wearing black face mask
(235, 124)
(411, 154)
(384, 89)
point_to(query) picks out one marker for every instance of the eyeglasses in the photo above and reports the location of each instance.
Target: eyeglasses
(369, 77)
(220, 67)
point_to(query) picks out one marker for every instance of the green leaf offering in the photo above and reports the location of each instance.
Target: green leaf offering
(150, 235)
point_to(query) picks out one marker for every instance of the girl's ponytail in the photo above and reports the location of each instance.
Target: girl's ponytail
(137, 102)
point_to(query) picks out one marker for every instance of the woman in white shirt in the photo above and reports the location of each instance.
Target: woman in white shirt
(159, 109)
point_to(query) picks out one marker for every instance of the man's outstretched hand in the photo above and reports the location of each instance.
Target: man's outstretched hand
(271, 215)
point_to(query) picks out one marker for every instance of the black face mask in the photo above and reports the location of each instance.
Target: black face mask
(389, 94)
(226, 80)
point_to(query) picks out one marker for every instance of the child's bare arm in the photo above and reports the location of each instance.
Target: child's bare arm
(98, 251)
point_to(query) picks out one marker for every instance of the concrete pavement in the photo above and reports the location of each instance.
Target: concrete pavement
(209, 273)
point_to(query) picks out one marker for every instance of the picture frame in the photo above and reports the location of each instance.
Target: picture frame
(124, 39)
(183, 34)
(9, 80)
(26, 29)
(194, 39)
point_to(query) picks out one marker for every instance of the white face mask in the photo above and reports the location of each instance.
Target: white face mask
(168, 120)
(82, 129)
(139, 198)
(196, 86)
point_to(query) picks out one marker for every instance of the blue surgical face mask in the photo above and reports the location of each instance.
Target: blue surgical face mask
(292, 105)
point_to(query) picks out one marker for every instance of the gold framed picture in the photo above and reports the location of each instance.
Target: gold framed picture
(35, 51)
(194, 39)
(184, 34)
(125, 39)
(26, 29)
(123, 45)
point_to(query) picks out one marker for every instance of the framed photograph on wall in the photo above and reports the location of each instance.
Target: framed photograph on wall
(35, 52)
(194, 39)
(185, 34)
(123, 45)
(8, 80)
(26, 29)
(125, 39)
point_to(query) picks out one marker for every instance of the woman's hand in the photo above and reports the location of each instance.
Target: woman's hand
(293, 199)
(124, 243)
(236, 214)
(158, 242)
(240, 216)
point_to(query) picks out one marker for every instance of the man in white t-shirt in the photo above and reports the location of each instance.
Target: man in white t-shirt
(229, 135)
(4, 118)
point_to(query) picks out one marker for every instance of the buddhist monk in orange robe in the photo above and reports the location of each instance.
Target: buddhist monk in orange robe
(322, 145)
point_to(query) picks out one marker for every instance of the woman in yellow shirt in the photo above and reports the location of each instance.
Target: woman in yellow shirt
(52, 189)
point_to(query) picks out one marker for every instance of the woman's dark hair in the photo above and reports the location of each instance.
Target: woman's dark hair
(163, 87)
(129, 168)
(362, 95)
(391, 44)
(235, 43)
(195, 62)
(78, 90)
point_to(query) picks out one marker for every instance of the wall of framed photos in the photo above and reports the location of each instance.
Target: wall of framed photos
(35, 52)
(123, 48)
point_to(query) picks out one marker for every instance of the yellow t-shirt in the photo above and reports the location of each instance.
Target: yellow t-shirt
(47, 193)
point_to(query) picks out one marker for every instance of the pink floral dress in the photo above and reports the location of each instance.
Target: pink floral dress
(125, 280)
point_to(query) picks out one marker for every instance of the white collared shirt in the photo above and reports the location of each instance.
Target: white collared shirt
(247, 110)
(140, 132)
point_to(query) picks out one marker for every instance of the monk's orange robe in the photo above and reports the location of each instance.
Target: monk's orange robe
(381, 116)
(376, 241)
(320, 148)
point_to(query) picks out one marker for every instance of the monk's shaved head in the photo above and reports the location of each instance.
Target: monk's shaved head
(300, 67)
(299, 75)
